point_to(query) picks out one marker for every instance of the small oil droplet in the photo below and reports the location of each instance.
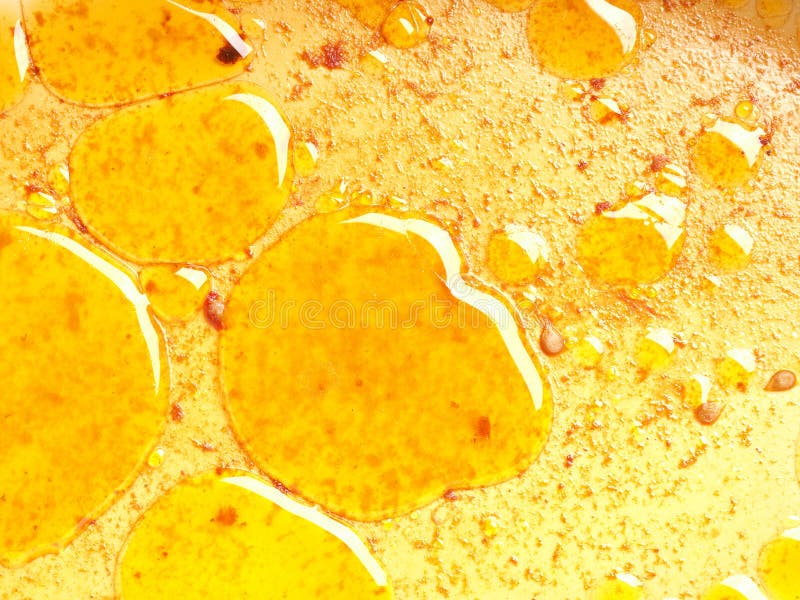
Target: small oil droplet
(156, 458)
(582, 39)
(774, 12)
(605, 110)
(781, 381)
(175, 292)
(334, 199)
(41, 206)
(747, 112)
(517, 255)
(727, 153)
(735, 587)
(490, 526)
(551, 341)
(407, 25)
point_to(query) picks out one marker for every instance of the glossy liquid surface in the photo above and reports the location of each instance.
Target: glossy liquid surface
(13, 56)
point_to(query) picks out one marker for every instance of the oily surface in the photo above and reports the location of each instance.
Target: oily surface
(628, 480)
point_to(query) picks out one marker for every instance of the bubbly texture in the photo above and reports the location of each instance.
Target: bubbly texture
(352, 356)
(230, 535)
(84, 386)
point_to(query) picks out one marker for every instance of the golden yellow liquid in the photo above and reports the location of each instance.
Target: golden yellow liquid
(84, 389)
(351, 354)
(131, 50)
(584, 39)
(220, 535)
(12, 82)
(192, 178)
(469, 130)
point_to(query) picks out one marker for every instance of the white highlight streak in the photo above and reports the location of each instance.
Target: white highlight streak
(280, 131)
(21, 50)
(123, 282)
(228, 32)
(485, 303)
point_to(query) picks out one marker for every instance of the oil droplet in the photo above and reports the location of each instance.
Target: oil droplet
(727, 153)
(58, 178)
(649, 38)
(82, 366)
(781, 381)
(234, 536)
(396, 357)
(209, 171)
(779, 566)
(583, 39)
(747, 112)
(119, 52)
(334, 199)
(371, 13)
(735, 587)
(156, 458)
(623, 587)
(517, 255)
(41, 206)
(655, 350)
(671, 180)
(589, 351)
(306, 155)
(697, 390)
(654, 224)
(737, 368)
(374, 62)
(175, 292)
(407, 25)
(490, 526)
(731, 247)
(574, 90)
(605, 110)
(14, 60)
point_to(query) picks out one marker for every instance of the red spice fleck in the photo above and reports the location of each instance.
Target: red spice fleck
(429, 20)
(483, 429)
(226, 516)
(569, 460)
(228, 55)
(658, 162)
(582, 165)
(176, 412)
(214, 307)
(450, 496)
(597, 84)
(77, 221)
(602, 207)
(332, 55)
(204, 446)
(280, 487)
